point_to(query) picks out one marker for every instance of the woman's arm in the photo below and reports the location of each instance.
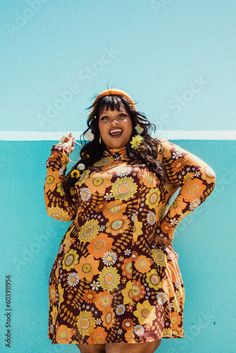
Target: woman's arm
(60, 204)
(195, 178)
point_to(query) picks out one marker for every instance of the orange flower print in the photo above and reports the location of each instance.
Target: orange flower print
(108, 318)
(127, 324)
(134, 290)
(118, 225)
(64, 334)
(98, 182)
(103, 301)
(143, 263)
(98, 336)
(100, 245)
(127, 268)
(89, 296)
(138, 290)
(113, 209)
(166, 227)
(175, 319)
(177, 165)
(192, 189)
(87, 267)
(177, 207)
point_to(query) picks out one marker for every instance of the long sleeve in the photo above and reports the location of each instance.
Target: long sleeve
(60, 204)
(195, 178)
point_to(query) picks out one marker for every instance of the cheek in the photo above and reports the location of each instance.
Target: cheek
(130, 129)
(101, 129)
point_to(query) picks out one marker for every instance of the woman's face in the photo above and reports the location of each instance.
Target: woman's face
(115, 127)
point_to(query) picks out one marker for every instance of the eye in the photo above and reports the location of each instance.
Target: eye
(122, 116)
(104, 117)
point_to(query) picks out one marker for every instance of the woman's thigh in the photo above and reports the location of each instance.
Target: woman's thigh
(93, 348)
(148, 347)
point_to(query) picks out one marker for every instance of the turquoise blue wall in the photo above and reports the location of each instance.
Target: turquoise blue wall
(205, 241)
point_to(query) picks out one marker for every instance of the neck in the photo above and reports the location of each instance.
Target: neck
(115, 151)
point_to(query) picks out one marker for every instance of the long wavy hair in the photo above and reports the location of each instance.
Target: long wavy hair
(147, 152)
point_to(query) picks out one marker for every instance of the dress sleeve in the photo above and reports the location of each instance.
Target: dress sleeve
(60, 204)
(195, 178)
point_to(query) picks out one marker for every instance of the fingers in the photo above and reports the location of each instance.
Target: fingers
(68, 142)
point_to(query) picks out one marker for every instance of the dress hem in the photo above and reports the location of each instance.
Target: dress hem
(87, 344)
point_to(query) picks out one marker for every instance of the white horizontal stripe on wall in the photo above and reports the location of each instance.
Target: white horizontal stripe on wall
(170, 134)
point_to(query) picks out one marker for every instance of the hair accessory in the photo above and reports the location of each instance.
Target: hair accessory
(136, 141)
(139, 128)
(115, 91)
(81, 166)
(89, 135)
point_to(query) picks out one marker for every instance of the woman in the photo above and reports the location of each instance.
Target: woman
(115, 284)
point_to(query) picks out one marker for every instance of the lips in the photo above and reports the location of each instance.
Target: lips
(115, 132)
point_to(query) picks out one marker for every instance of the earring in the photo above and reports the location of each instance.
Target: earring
(100, 139)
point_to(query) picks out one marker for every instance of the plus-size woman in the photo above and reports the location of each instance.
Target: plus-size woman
(115, 284)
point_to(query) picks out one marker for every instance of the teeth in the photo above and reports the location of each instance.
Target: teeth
(115, 130)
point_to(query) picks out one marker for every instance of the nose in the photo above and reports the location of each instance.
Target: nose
(114, 120)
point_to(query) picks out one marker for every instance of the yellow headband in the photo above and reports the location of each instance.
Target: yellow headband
(118, 92)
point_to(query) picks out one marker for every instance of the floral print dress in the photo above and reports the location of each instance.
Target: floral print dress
(116, 276)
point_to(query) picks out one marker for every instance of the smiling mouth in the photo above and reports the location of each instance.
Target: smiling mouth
(115, 132)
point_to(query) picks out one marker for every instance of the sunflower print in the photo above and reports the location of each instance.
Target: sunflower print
(116, 276)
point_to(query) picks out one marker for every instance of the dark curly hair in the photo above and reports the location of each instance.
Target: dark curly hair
(92, 151)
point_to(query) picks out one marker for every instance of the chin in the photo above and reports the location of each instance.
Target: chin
(117, 145)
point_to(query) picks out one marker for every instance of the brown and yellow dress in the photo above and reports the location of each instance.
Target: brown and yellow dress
(108, 283)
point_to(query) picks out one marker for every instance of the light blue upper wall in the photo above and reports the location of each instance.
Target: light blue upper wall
(175, 58)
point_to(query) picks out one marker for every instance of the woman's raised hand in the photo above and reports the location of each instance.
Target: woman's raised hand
(68, 142)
